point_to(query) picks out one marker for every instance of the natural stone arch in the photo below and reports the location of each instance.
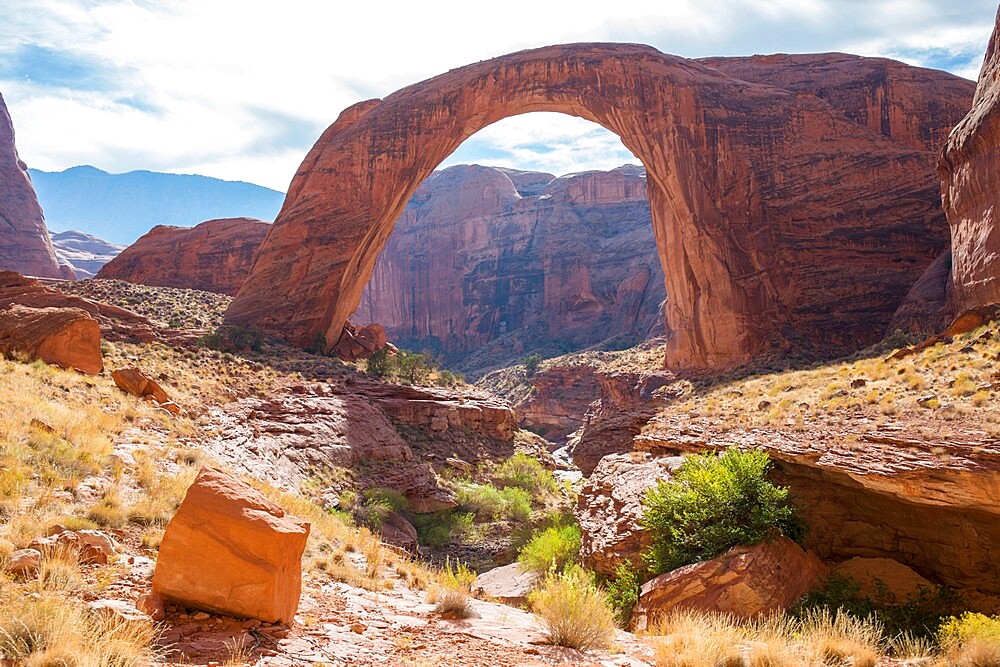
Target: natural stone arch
(737, 175)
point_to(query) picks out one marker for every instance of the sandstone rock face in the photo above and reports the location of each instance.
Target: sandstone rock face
(571, 265)
(926, 308)
(560, 398)
(610, 505)
(761, 232)
(290, 437)
(230, 550)
(214, 256)
(508, 584)
(25, 245)
(66, 337)
(360, 342)
(969, 169)
(745, 581)
(931, 504)
(84, 253)
(882, 575)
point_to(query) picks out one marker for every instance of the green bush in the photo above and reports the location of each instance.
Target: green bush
(411, 367)
(379, 365)
(373, 506)
(489, 503)
(574, 610)
(524, 472)
(623, 592)
(531, 363)
(552, 549)
(713, 502)
(437, 528)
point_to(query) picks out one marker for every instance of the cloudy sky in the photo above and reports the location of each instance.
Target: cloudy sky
(240, 89)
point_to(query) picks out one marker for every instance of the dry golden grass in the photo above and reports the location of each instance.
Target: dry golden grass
(450, 591)
(574, 610)
(696, 639)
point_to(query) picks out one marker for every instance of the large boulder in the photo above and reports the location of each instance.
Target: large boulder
(609, 507)
(66, 337)
(230, 550)
(880, 576)
(509, 584)
(133, 381)
(746, 581)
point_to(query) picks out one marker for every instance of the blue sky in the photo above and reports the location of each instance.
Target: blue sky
(240, 90)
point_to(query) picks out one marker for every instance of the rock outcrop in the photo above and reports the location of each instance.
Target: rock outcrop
(214, 256)
(360, 342)
(882, 577)
(969, 169)
(560, 397)
(926, 308)
(802, 230)
(509, 584)
(83, 253)
(116, 324)
(66, 337)
(559, 263)
(609, 507)
(134, 381)
(25, 245)
(228, 549)
(746, 581)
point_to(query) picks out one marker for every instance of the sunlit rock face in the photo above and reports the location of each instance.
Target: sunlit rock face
(482, 254)
(25, 245)
(782, 220)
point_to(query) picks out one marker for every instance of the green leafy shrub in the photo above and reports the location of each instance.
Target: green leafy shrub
(373, 506)
(713, 502)
(574, 610)
(524, 472)
(233, 338)
(379, 365)
(489, 503)
(623, 592)
(411, 367)
(531, 363)
(552, 549)
(437, 528)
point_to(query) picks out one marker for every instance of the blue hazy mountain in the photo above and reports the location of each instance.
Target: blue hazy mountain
(122, 207)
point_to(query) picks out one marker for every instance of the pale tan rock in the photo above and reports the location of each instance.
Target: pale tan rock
(746, 581)
(508, 584)
(119, 610)
(90, 546)
(230, 550)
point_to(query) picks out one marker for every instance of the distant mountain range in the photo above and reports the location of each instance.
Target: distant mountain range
(122, 207)
(86, 254)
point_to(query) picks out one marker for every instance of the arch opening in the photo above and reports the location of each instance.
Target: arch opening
(530, 252)
(720, 153)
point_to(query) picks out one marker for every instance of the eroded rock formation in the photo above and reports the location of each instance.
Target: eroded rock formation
(66, 337)
(83, 253)
(969, 170)
(25, 245)
(804, 227)
(214, 256)
(477, 260)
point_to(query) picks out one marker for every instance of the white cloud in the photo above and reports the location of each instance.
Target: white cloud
(240, 90)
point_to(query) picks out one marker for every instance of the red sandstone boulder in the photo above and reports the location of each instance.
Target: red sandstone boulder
(360, 342)
(230, 550)
(969, 169)
(66, 337)
(399, 532)
(133, 381)
(214, 256)
(609, 507)
(25, 245)
(745, 581)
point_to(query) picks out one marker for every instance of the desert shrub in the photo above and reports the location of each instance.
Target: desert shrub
(489, 503)
(524, 472)
(373, 506)
(451, 591)
(969, 627)
(531, 363)
(919, 616)
(573, 609)
(379, 364)
(412, 367)
(623, 592)
(437, 528)
(713, 502)
(554, 548)
(233, 338)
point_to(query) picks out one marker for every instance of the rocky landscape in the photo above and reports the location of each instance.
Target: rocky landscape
(203, 462)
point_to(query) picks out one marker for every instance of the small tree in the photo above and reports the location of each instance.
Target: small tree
(379, 364)
(714, 502)
(531, 363)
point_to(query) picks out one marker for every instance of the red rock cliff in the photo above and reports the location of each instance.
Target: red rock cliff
(476, 257)
(25, 245)
(214, 256)
(970, 169)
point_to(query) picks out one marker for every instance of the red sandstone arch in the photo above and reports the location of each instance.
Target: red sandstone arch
(777, 218)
